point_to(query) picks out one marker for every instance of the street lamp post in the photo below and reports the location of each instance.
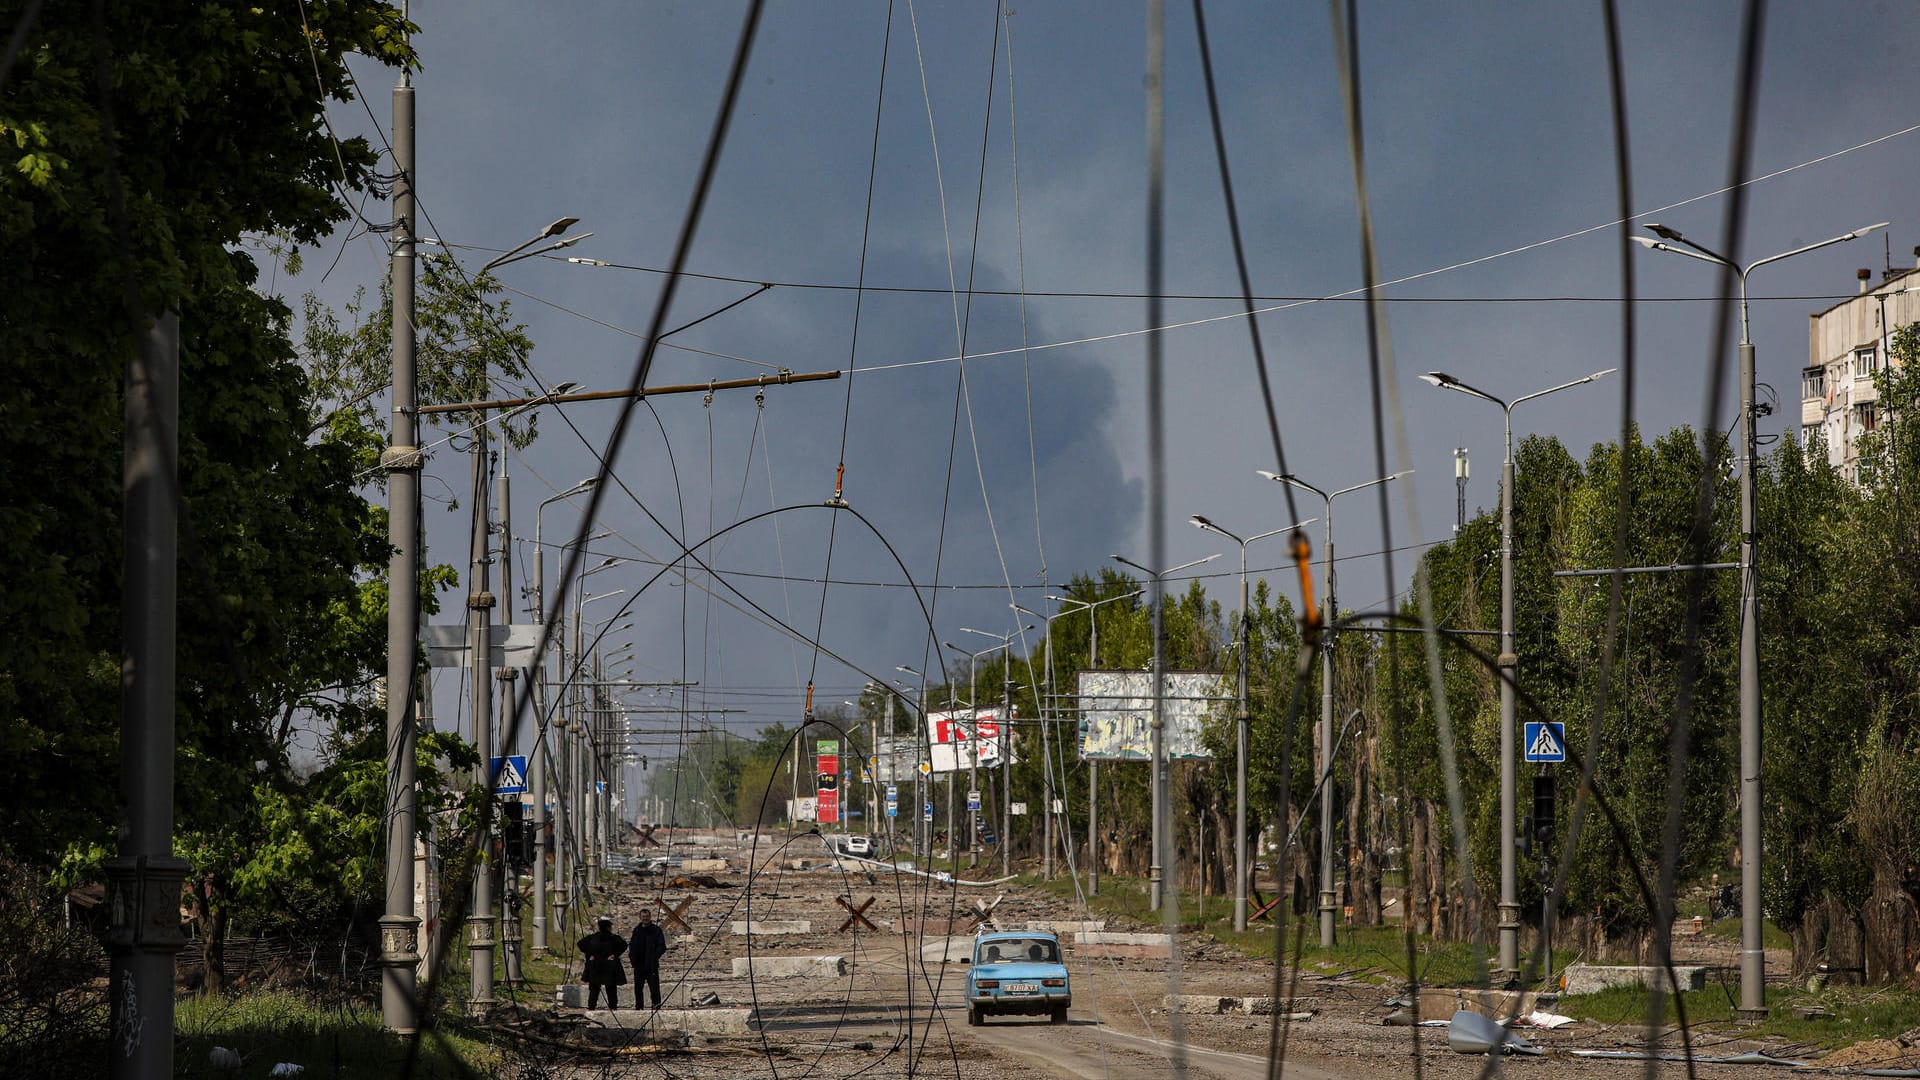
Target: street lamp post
(922, 781)
(973, 750)
(586, 807)
(1753, 961)
(1158, 832)
(1509, 664)
(1244, 722)
(1044, 696)
(1326, 693)
(1005, 740)
(1093, 764)
(543, 820)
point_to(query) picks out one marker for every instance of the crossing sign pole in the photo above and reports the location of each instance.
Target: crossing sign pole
(1545, 741)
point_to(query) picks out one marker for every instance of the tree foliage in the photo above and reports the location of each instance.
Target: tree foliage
(127, 197)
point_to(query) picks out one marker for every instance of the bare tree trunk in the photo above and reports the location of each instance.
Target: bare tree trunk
(1363, 866)
(1419, 855)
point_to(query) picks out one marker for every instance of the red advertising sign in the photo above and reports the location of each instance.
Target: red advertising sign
(827, 807)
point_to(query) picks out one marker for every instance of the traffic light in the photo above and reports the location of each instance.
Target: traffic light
(516, 834)
(1543, 808)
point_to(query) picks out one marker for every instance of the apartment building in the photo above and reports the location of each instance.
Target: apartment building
(1846, 345)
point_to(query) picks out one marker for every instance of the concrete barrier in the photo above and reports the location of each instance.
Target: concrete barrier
(1120, 946)
(946, 950)
(703, 866)
(1593, 978)
(787, 967)
(1099, 937)
(1064, 927)
(715, 1021)
(772, 927)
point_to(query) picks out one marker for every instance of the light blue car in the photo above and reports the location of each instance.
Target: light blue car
(1017, 973)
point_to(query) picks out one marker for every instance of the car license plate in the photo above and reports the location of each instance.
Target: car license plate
(1022, 988)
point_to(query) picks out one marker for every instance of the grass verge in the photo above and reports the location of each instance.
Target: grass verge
(328, 1039)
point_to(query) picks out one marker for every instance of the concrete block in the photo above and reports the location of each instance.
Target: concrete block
(787, 967)
(946, 950)
(1593, 978)
(1125, 952)
(703, 866)
(712, 1021)
(570, 995)
(1266, 1006)
(772, 927)
(1064, 927)
(1121, 946)
(1101, 937)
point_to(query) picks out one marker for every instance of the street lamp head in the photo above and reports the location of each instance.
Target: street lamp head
(1858, 233)
(562, 388)
(559, 227)
(1440, 378)
(1199, 521)
(1650, 243)
(1663, 232)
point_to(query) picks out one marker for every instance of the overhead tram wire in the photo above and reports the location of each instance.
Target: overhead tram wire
(1349, 295)
(1020, 262)
(571, 565)
(853, 357)
(1699, 542)
(1346, 47)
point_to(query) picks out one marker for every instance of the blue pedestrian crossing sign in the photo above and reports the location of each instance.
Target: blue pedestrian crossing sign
(1545, 740)
(509, 775)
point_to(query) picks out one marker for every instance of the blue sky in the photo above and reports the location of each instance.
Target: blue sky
(1487, 130)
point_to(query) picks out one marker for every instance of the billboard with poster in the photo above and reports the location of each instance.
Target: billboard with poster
(960, 739)
(1116, 713)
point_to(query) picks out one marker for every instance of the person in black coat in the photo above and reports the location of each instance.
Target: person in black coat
(649, 945)
(603, 969)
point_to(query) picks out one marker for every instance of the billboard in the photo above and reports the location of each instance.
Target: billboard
(896, 758)
(1116, 713)
(963, 738)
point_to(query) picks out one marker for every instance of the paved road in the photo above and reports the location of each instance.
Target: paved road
(1093, 1051)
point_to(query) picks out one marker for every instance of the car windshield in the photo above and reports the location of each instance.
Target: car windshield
(1020, 950)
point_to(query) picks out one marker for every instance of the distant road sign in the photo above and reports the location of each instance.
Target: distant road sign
(973, 800)
(1545, 740)
(926, 811)
(509, 775)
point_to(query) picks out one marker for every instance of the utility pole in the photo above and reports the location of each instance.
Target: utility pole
(509, 880)
(399, 928)
(144, 878)
(479, 609)
(1006, 774)
(1460, 470)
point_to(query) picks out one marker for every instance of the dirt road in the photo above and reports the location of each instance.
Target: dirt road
(879, 989)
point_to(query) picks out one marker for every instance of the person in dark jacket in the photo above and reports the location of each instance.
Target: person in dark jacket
(649, 945)
(603, 969)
